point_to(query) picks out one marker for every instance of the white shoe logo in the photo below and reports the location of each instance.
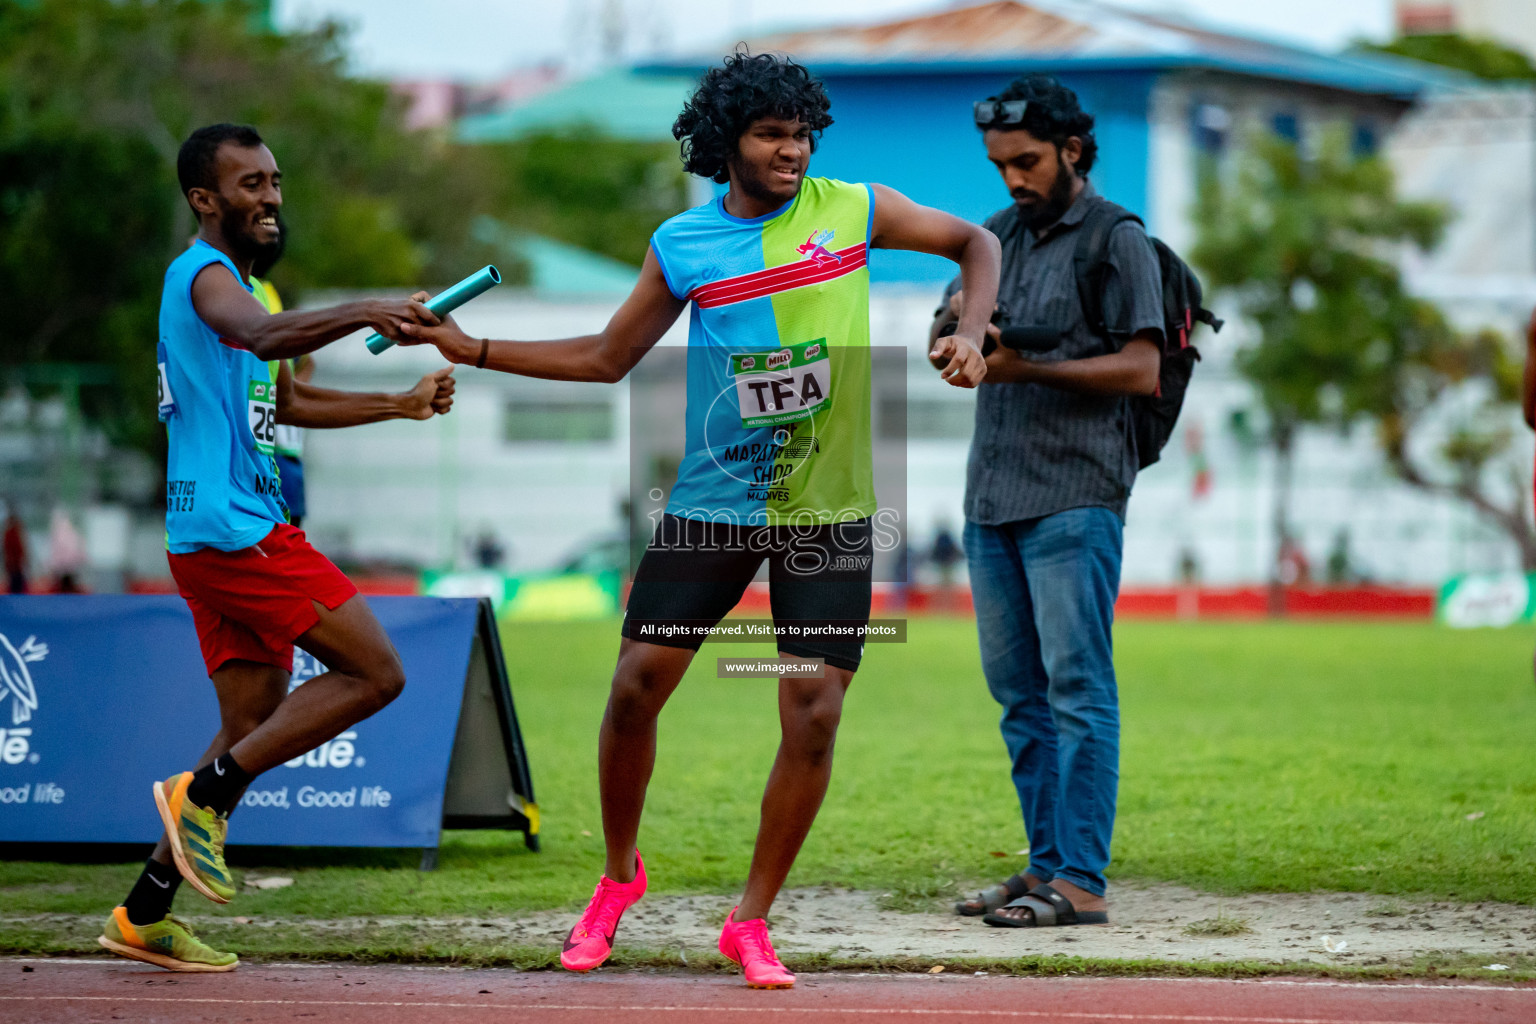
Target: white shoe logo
(163, 885)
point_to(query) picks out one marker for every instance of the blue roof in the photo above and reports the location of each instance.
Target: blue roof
(621, 104)
(1050, 35)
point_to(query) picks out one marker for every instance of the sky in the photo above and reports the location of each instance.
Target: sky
(482, 39)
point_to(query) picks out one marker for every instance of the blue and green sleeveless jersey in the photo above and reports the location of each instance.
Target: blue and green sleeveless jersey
(219, 406)
(778, 419)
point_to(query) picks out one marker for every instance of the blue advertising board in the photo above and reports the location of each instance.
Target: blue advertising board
(100, 696)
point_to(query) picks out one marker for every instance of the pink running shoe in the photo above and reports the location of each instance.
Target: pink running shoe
(591, 940)
(746, 943)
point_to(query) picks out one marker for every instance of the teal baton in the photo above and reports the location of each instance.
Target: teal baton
(448, 300)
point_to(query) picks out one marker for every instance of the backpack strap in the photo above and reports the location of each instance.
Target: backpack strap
(1090, 258)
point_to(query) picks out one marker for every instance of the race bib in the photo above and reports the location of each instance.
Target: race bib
(786, 386)
(261, 406)
(167, 403)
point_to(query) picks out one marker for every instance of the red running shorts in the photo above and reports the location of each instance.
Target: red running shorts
(253, 603)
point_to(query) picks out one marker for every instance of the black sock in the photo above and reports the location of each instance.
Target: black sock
(215, 785)
(150, 898)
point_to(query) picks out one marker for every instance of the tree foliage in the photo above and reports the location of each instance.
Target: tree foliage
(1484, 58)
(602, 194)
(1309, 245)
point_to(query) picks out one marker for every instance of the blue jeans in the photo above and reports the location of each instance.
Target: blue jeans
(1045, 600)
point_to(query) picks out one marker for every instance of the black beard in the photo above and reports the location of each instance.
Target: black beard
(262, 255)
(267, 254)
(1038, 216)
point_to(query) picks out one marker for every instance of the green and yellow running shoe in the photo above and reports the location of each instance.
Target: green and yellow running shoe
(167, 943)
(197, 839)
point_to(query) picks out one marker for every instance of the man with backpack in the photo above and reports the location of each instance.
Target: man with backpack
(1087, 364)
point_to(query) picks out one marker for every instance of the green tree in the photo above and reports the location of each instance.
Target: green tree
(1484, 58)
(1307, 244)
(95, 98)
(589, 190)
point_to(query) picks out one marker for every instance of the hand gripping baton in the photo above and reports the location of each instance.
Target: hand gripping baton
(448, 300)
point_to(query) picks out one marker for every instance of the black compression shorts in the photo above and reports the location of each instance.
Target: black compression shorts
(694, 572)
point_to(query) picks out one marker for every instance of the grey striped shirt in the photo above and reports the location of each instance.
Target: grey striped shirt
(1038, 450)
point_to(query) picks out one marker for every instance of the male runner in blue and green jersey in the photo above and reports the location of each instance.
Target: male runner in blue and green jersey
(777, 461)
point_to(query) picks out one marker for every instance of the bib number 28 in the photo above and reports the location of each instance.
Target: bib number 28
(262, 409)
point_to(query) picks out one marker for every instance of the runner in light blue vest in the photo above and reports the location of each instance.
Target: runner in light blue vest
(253, 583)
(219, 404)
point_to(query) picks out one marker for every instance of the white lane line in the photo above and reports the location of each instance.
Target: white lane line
(1175, 1018)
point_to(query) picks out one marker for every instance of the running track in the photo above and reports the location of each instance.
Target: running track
(54, 992)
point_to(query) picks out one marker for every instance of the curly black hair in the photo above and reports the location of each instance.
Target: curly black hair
(745, 88)
(1054, 115)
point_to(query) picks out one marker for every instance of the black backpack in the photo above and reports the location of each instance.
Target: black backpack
(1152, 416)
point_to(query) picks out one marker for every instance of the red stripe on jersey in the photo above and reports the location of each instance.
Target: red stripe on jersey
(775, 276)
(814, 276)
(778, 279)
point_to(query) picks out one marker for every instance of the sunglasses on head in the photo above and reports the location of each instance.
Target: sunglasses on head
(991, 113)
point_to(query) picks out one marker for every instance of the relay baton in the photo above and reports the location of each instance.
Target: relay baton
(448, 300)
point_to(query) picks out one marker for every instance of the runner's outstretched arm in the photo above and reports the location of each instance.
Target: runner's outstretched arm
(302, 404)
(607, 356)
(902, 224)
(305, 405)
(224, 305)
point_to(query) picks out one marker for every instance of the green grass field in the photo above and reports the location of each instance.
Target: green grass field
(1257, 757)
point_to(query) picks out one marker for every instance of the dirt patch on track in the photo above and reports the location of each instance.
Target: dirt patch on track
(1147, 923)
(1158, 923)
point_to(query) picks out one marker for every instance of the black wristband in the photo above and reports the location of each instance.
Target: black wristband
(485, 350)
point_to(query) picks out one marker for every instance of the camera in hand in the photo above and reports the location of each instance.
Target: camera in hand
(999, 318)
(1036, 338)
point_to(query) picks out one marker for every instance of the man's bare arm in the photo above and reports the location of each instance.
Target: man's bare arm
(902, 224)
(1134, 370)
(305, 405)
(947, 314)
(606, 356)
(223, 304)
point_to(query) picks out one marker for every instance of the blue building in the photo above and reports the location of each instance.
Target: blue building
(1161, 90)
(1168, 96)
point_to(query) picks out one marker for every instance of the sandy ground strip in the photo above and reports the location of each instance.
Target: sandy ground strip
(1147, 923)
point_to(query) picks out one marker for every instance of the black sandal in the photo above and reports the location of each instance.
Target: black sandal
(988, 900)
(1048, 909)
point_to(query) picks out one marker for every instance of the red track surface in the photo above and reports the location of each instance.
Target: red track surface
(80, 991)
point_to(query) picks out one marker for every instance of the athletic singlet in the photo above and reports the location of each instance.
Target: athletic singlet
(778, 422)
(219, 406)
